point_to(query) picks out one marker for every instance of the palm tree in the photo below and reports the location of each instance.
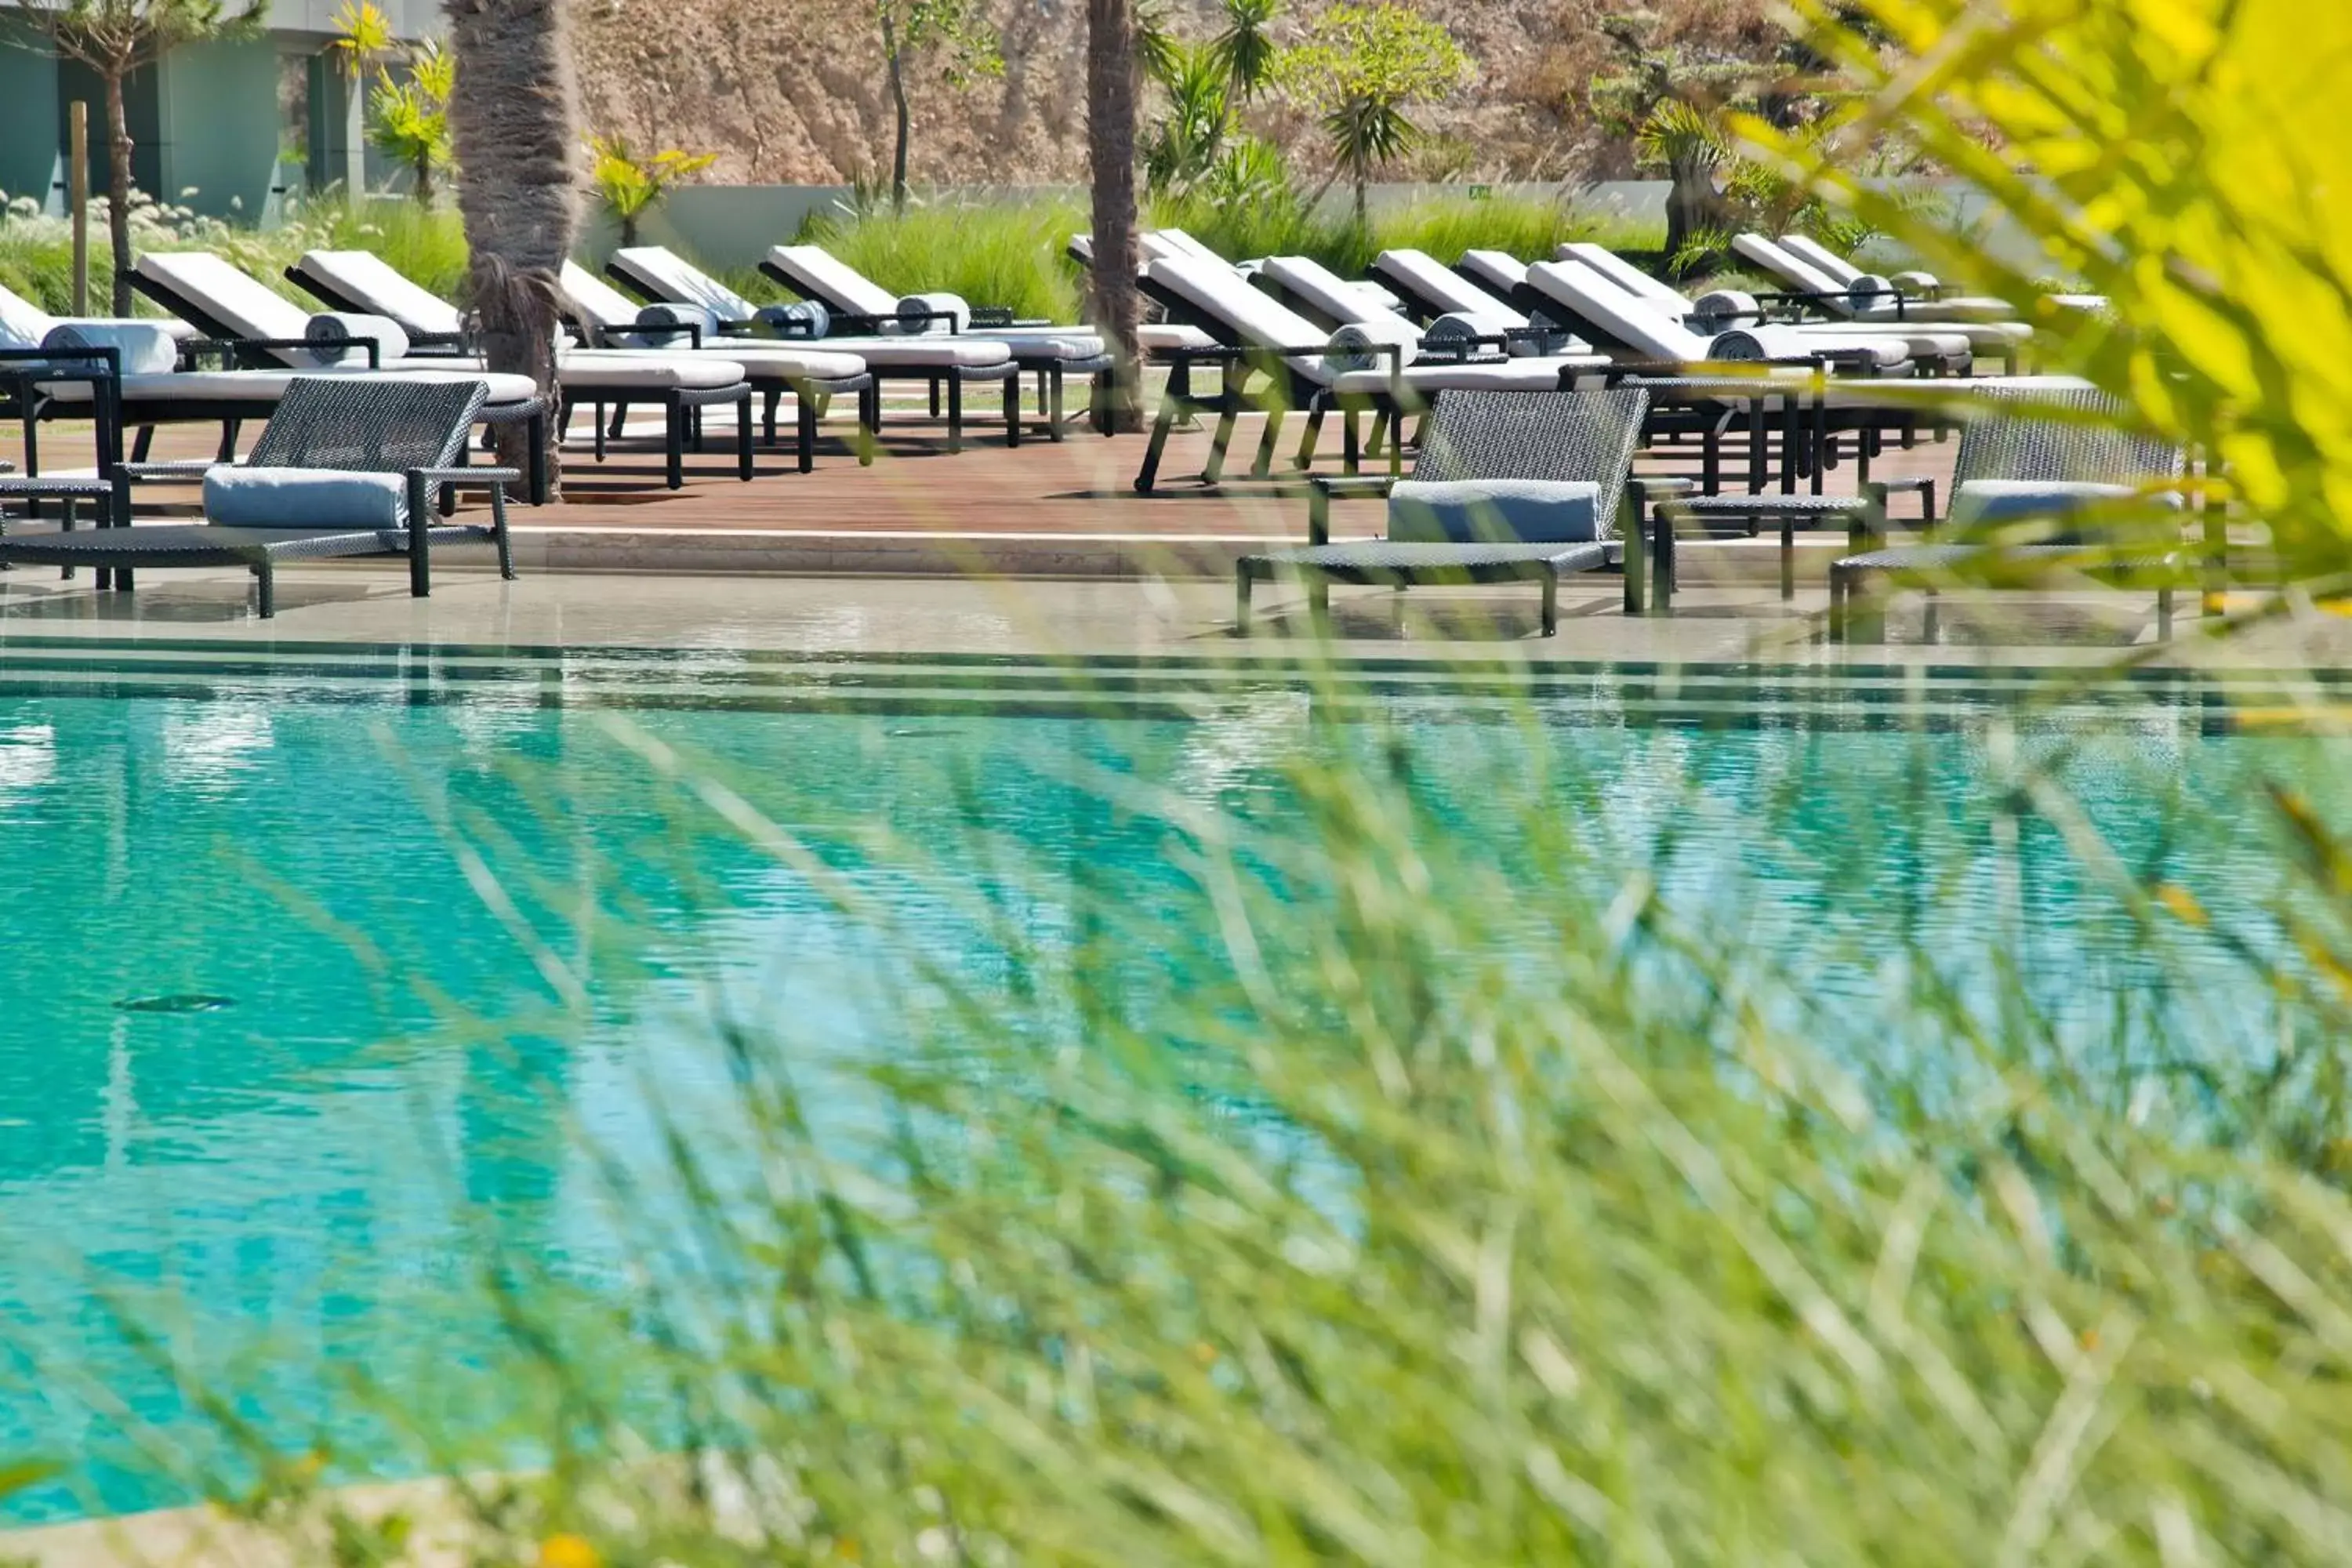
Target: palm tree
(114, 38)
(1245, 51)
(1111, 56)
(513, 116)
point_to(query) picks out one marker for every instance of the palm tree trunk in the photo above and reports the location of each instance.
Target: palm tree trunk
(1111, 150)
(118, 188)
(514, 118)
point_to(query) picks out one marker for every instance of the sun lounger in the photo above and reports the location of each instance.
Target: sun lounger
(1306, 368)
(346, 466)
(855, 303)
(1323, 297)
(1507, 487)
(1433, 291)
(1949, 348)
(611, 322)
(253, 324)
(1870, 298)
(2042, 480)
(944, 364)
(1911, 284)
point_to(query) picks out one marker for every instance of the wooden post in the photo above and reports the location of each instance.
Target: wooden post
(78, 185)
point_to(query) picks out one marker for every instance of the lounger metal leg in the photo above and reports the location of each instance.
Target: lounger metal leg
(804, 429)
(743, 464)
(869, 424)
(2164, 614)
(1788, 558)
(140, 445)
(498, 531)
(620, 413)
(1934, 627)
(1053, 405)
(1214, 469)
(600, 431)
(775, 401)
(1838, 591)
(1318, 604)
(1352, 446)
(1164, 421)
(1550, 618)
(674, 445)
(265, 587)
(229, 428)
(1242, 583)
(935, 398)
(1261, 465)
(1012, 409)
(1310, 438)
(1759, 447)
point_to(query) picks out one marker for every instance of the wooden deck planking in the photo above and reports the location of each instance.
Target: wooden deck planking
(1083, 486)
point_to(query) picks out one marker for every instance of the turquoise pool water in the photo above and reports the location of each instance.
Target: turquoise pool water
(294, 970)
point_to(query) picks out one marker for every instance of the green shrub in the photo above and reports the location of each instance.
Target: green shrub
(1004, 256)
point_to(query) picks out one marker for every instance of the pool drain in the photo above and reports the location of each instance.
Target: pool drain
(182, 1004)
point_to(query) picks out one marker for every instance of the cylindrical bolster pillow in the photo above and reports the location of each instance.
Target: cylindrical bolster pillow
(1867, 288)
(801, 319)
(1724, 307)
(1462, 328)
(1356, 347)
(668, 314)
(391, 342)
(144, 348)
(915, 308)
(1741, 344)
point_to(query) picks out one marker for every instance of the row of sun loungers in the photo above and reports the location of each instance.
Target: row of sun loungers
(1535, 382)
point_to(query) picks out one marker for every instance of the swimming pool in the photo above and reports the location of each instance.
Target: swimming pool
(318, 960)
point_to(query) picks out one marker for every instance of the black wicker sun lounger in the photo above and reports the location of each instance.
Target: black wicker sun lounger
(1584, 440)
(2053, 483)
(356, 460)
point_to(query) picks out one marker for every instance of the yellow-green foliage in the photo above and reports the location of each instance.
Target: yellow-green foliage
(2181, 157)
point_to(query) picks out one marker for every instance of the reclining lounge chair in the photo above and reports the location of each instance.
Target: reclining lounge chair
(253, 324)
(945, 364)
(855, 303)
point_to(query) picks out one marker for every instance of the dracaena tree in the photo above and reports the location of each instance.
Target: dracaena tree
(114, 38)
(410, 121)
(953, 39)
(1363, 68)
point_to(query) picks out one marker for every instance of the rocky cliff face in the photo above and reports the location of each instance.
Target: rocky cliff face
(795, 93)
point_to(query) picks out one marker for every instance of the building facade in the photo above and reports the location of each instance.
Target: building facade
(229, 129)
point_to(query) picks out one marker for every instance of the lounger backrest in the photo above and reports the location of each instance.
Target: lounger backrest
(1626, 276)
(2066, 437)
(594, 301)
(1182, 244)
(213, 291)
(1234, 309)
(1794, 270)
(1568, 437)
(1610, 315)
(23, 324)
(815, 273)
(362, 280)
(1155, 246)
(1332, 297)
(1497, 271)
(1441, 289)
(1806, 248)
(378, 425)
(666, 275)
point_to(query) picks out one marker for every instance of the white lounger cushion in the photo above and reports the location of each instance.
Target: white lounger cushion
(582, 370)
(1496, 512)
(1777, 342)
(1434, 375)
(246, 307)
(1498, 272)
(1161, 337)
(25, 325)
(304, 498)
(1988, 322)
(1421, 274)
(1625, 275)
(669, 276)
(252, 386)
(917, 354)
(142, 348)
(1217, 292)
(374, 285)
(815, 272)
